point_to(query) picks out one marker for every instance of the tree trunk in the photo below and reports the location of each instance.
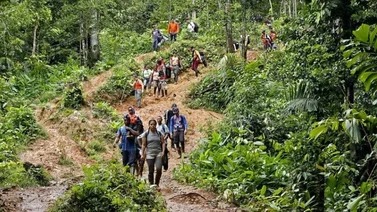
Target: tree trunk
(228, 28)
(83, 44)
(244, 38)
(34, 39)
(193, 15)
(94, 53)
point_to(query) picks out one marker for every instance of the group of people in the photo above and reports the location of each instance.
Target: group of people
(157, 77)
(173, 29)
(268, 40)
(138, 145)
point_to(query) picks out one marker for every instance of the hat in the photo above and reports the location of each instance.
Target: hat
(174, 105)
(175, 110)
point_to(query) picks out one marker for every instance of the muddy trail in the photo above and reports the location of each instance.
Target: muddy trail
(59, 146)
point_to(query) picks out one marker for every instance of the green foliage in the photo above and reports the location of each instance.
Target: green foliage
(105, 111)
(110, 187)
(13, 174)
(73, 96)
(17, 128)
(118, 87)
(216, 90)
(361, 56)
(95, 147)
(38, 174)
(118, 45)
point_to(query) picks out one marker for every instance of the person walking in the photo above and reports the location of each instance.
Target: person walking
(175, 63)
(163, 128)
(178, 129)
(167, 116)
(173, 30)
(139, 90)
(146, 76)
(156, 38)
(153, 148)
(266, 40)
(196, 60)
(125, 135)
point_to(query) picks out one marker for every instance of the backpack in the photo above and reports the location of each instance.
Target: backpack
(165, 159)
(203, 58)
(196, 28)
(168, 114)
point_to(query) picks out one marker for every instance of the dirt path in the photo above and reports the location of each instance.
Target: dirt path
(59, 146)
(181, 197)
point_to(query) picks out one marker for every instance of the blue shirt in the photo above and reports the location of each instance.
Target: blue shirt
(127, 144)
(177, 123)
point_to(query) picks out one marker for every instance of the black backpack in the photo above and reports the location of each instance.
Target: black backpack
(196, 28)
(203, 58)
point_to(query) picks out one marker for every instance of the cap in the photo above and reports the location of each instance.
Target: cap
(174, 105)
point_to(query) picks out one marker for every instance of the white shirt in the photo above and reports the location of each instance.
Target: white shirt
(163, 129)
(191, 26)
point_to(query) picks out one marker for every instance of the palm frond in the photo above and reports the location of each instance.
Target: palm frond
(300, 98)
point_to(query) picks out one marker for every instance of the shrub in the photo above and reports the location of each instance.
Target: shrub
(105, 111)
(110, 187)
(73, 97)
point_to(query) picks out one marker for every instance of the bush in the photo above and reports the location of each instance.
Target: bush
(73, 97)
(105, 111)
(110, 187)
(118, 87)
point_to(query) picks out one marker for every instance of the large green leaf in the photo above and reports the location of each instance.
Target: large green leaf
(352, 206)
(318, 131)
(371, 78)
(372, 36)
(356, 59)
(362, 33)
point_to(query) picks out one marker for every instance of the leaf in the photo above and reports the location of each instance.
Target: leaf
(356, 59)
(352, 206)
(369, 81)
(263, 190)
(331, 182)
(318, 131)
(362, 33)
(258, 143)
(364, 76)
(352, 128)
(347, 54)
(372, 35)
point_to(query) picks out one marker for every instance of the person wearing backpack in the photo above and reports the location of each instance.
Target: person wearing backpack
(173, 30)
(156, 38)
(125, 135)
(152, 149)
(167, 116)
(178, 129)
(163, 128)
(196, 60)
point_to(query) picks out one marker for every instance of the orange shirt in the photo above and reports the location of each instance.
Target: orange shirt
(173, 27)
(138, 85)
